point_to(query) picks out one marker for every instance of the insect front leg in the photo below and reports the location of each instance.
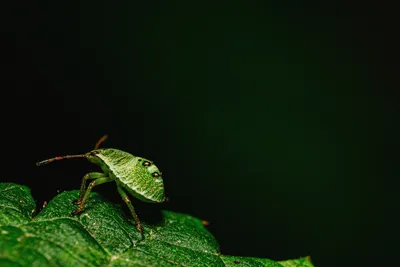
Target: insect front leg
(83, 200)
(128, 202)
(88, 176)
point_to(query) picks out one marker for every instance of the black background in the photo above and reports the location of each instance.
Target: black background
(278, 123)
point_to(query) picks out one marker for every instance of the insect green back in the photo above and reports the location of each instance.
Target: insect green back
(139, 176)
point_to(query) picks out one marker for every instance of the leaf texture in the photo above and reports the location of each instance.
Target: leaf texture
(102, 236)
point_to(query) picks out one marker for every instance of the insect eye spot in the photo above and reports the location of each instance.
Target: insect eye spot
(146, 163)
(155, 174)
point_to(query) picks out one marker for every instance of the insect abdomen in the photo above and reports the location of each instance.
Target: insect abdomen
(133, 175)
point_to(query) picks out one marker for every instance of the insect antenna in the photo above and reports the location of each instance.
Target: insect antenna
(102, 139)
(59, 158)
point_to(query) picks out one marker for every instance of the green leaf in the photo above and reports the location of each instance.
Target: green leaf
(103, 236)
(303, 262)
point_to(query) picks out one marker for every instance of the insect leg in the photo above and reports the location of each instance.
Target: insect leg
(126, 199)
(88, 176)
(82, 203)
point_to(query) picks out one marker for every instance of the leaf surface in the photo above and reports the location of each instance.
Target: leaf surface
(103, 236)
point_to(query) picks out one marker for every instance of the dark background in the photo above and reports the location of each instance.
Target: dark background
(275, 122)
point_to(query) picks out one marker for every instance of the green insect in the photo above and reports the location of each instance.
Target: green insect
(135, 175)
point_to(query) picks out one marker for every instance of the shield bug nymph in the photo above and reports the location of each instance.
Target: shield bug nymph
(136, 175)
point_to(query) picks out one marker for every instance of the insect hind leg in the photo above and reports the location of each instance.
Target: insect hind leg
(128, 202)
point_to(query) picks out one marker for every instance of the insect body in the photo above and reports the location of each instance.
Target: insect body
(135, 175)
